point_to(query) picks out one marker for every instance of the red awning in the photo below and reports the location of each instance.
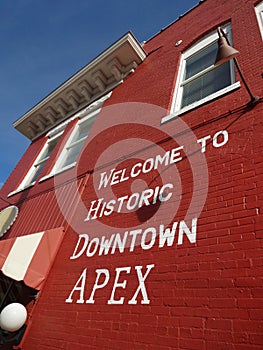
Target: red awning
(29, 258)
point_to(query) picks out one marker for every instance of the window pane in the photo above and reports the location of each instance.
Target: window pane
(206, 85)
(51, 145)
(72, 154)
(36, 172)
(200, 60)
(75, 147)
(83, 129)
(38, 166)
(42, 161)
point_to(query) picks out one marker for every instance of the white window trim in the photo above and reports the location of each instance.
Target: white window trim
(209, 98)
(57, 167)
(20, 189)
(178, 91)
(53, 173)
(83, 116)
(25, 182)
(259, 14)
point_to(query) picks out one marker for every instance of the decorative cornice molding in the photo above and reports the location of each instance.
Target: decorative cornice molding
(90, 83)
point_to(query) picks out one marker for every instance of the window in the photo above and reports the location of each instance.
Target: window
(69, 155)
(259, 13)
(75, 143)
(198, 79)
(37, 167)
(41, 160)
(34, 171)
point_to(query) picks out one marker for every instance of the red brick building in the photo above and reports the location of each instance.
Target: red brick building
(134, 218)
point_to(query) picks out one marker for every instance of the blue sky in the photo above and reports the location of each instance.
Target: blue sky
(44, 42)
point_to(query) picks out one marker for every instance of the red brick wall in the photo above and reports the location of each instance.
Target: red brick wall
(205, 294)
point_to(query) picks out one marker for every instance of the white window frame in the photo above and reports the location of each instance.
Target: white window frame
(58, 168)
(259, 14)
(87, 113)
(176, 110)
(26, 182)
(84, 116)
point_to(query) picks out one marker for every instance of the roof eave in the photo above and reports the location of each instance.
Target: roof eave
(97, 78)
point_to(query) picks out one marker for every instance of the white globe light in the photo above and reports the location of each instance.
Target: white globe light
(12, 317)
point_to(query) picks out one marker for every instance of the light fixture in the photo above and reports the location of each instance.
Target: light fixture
(12, 323)
(225, 53)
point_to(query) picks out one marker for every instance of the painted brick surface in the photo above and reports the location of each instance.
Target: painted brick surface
(204, 294)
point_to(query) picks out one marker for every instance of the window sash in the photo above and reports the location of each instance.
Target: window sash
(207, 83)
(35, 173)
(205, 47)
(201, 60)
(47, 151)
(67, 158)
(39, 163)
(75, 144)
(72, 153)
